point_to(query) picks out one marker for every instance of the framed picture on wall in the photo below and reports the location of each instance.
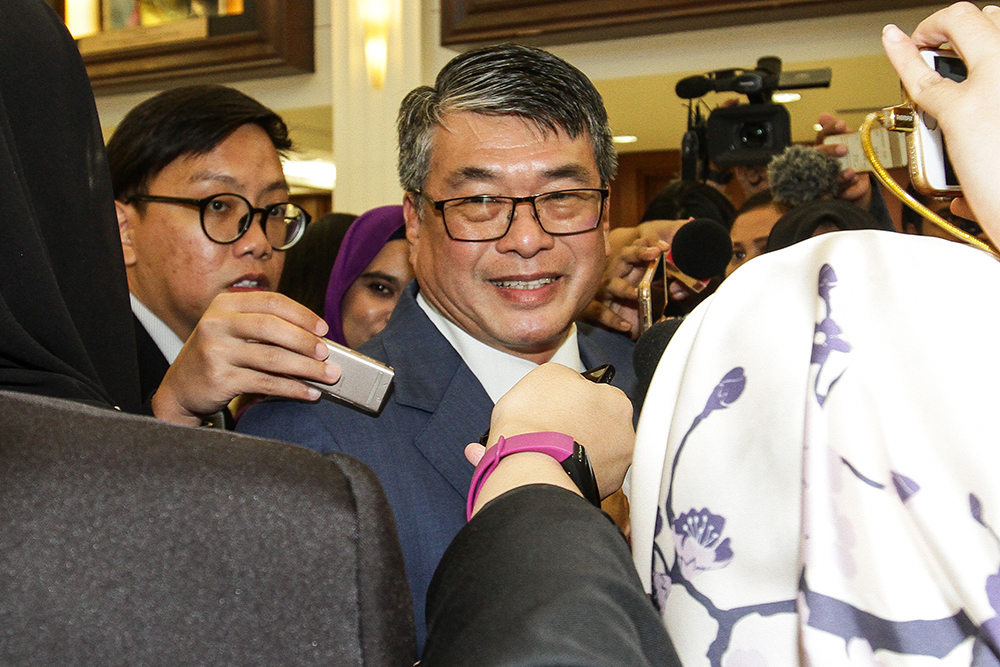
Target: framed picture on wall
(544, 22)
(146, 42)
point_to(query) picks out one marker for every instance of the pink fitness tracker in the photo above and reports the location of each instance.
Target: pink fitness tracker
(570, 454)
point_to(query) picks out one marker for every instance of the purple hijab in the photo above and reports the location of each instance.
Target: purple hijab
(363, 241)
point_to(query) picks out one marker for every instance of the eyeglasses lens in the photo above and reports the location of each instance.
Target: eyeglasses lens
(224, 218)
(284, 225)
(484, 218)
(227, 217)
(570, 211)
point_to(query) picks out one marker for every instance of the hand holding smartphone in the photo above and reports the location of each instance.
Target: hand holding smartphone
(930, 169)
(652, 294)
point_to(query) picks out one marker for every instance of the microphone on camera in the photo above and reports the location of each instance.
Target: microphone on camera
(693, 87)
(802, 174)
(647, 352)
(700, 250)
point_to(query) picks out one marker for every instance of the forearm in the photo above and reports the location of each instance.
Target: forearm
(541, 577)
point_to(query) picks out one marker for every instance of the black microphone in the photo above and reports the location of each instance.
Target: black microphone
(691, 87)
(647, 352)
(701, 249)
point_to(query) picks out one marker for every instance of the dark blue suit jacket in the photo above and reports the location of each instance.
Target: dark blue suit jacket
(416, 445)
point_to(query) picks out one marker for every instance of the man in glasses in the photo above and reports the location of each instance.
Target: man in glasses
(204, 222)
(506, 164)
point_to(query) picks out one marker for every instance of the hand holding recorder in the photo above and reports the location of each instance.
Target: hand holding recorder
(245, 343)
(637, 274)
(701, 249)
(263, 343)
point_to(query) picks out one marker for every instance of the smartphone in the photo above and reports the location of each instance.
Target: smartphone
(363, 381)
(930, 169)
(652, 294)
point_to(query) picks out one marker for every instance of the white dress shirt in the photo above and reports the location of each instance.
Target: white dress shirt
(496, 370)
(170, 344)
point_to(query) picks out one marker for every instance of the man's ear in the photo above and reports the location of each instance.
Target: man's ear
(411, 215)
(127, 219)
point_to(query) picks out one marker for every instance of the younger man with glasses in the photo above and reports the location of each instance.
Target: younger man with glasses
(204, 222)
(506, 163)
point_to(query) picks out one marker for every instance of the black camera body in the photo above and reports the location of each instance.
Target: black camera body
(748, 134)
(745, 134)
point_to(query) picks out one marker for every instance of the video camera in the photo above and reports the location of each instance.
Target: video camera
(746, 134)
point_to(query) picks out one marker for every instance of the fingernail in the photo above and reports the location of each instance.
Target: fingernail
(332, 373)
(322, 351)
(892, 33)
(313, 393)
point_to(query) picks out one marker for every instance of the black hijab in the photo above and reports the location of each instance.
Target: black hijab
(65, 321)
(800, 222)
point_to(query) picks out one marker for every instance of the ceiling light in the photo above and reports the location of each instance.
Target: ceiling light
(318, 174)
(625, 139)
(785, 98)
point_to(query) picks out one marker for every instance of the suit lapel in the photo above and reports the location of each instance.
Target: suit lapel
(461, 417)
(431, 377)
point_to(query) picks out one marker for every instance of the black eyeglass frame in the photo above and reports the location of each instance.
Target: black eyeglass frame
(439, 204)
(203, 203)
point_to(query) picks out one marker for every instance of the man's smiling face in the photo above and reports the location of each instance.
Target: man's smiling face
(519, 293)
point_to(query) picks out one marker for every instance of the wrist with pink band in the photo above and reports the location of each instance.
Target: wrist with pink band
(570, 454)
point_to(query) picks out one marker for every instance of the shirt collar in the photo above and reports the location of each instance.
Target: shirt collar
(495, 369)
(170, 343)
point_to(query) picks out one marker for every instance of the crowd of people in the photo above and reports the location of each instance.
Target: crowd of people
(827, 434)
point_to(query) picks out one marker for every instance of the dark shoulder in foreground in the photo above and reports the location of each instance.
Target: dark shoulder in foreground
(544, 553)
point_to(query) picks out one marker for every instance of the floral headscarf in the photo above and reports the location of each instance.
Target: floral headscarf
(815, 473)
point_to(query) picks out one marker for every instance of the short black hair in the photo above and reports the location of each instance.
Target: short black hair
(190, 120)
(690, 199)
(758, 200)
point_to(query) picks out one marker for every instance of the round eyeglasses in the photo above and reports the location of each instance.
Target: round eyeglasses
(226, 217)
(488, 217)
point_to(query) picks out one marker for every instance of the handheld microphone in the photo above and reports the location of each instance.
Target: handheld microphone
(700, 250)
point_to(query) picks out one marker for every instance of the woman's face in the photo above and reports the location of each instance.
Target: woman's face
(749, 233)
(370, 299)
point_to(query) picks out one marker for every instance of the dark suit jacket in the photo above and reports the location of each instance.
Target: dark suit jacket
(540, 577)
(126, 540)
(416, 445)
(152, 364)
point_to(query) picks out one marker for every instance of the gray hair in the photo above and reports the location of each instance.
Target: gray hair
(509, 79)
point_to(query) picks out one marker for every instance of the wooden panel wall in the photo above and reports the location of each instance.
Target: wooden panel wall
(563, 21)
